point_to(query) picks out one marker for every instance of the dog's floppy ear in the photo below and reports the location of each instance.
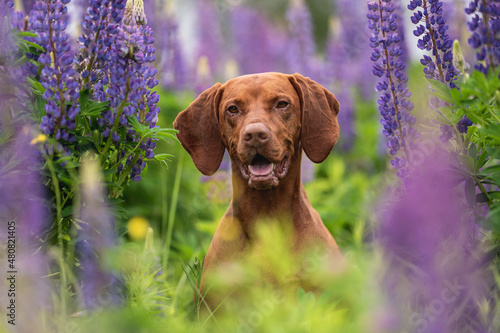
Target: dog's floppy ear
(199, 131)
(320, 129)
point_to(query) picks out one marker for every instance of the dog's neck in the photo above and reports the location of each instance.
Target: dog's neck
(250, 205)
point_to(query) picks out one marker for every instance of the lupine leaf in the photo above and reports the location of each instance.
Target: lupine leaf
(36, 46)
(468, 162)
(490, 170)
(470, 191)
(492, 195)
(441, 91)
(95, 109)
(481, 160)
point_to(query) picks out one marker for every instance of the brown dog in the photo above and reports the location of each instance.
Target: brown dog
(264, 121)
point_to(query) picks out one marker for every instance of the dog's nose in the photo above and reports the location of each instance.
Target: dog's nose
(256, 135)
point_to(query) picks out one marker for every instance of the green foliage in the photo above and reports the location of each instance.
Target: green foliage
(477, 151)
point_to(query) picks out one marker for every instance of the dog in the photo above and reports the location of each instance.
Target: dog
(264, 121)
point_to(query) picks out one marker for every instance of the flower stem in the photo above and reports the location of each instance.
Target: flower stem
(173, 207)
(60, 240)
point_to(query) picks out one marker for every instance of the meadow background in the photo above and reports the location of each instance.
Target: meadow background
(112, 218)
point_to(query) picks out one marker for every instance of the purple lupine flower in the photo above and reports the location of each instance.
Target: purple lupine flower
(48, 19)
(394, 103)
(435, 278)
(23, 209)
(210, 37)
(22, 203)
(171, 63)
(347, 47)
(432, 30)
(301, 47)
(132, 77)
(99, 33)
(485, 28)
(27, 5)
(115, 60)
(252, 31)
(6, 12)
(100, 286)
(18, 20)
(6, 8)
(464, 124)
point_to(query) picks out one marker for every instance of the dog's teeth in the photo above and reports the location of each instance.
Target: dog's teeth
(274, 165)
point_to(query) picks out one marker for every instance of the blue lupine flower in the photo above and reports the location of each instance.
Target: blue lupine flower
(433, 36)
(131, 78)
(48, 19)
(114, 61)
(301, 49)
(485, 28)
(99, 33)
(464, 124)
(394, 103)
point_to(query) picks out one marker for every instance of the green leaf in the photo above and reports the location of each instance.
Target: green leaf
(470, 191)
(494, 152)
(481, 160)
(67, 211)
(163, 158)
(456, 95)
(492, 195)
(473, 153)
(479, 80)
(441, 90)
(36, 46)
(84, 98)
(468, 162)
(26, 34)
(491, 170)
(493, 221)
(37, 86)
(96, 108)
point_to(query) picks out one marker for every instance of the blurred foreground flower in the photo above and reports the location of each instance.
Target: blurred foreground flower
(24, 218)
(435, 264)
(100, 287)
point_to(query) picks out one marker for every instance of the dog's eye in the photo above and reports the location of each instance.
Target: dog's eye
(232, 109)
(282, 104)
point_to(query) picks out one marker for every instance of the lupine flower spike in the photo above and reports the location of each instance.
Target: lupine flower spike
(394, 103)
(48, 20)
(433, 36)
(114, 58)
(485, 28)
(432, 30)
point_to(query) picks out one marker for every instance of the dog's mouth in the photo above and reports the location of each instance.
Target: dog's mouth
(262, 174)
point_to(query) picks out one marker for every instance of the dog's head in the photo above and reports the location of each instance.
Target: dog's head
(262, 120)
